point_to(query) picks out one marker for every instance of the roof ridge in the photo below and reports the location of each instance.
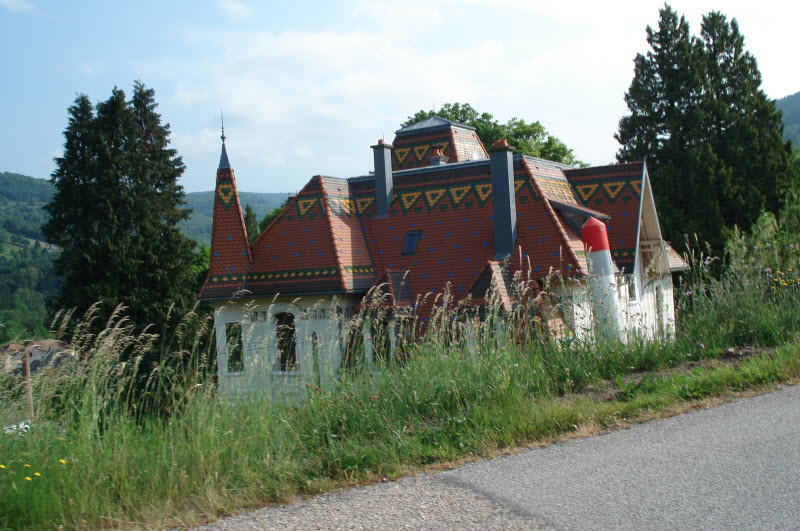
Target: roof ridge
(552, 214)
(329, 215)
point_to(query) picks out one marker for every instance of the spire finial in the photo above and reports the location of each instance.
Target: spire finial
(222, 121)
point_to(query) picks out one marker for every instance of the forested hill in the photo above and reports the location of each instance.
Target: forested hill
(790, 105)
(198, 227)
(22, 199)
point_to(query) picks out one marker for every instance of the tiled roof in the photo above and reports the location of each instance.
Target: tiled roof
(614, 190)
(495, 279)
(674, 261)
(230, 251)
(328, 238)
(414, 144)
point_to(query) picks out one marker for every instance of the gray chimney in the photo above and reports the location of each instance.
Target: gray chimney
(383, 178)
(504, 206)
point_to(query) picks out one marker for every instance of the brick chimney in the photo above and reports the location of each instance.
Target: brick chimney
(383, 178)
(437, 158)
(504, 206)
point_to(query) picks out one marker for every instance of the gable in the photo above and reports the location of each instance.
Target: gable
(616, 191)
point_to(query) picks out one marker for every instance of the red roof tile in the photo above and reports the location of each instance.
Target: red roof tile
(230, 251)
(614, 190)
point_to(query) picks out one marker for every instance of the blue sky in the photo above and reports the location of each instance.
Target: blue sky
(307, 87)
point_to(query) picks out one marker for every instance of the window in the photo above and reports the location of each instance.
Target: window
(315, 358)
(234, 349)
(412, 239)
(287, 344)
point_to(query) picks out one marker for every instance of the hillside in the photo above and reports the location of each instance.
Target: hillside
(790, 105)
(27, 277)
(22, 199)
(198, 227)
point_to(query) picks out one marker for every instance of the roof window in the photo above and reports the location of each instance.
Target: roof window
(412, 239)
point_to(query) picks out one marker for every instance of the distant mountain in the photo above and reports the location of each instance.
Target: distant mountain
(198, 227)
(790, 105)
(22, 199)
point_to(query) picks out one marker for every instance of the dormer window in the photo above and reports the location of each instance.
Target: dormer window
(412, 239)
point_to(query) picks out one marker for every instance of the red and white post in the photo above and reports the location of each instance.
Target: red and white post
(602, 282)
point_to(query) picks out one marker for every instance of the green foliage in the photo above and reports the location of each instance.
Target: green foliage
(198, 226)
(250, 223)
(790, 106)
(116, 211)
(270, 216)
(708, 131)
(203, 456)
(27, 282)
(527, 138)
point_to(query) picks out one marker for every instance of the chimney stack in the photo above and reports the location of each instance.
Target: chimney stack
(437, 158)
(383, 178)
(504, 206)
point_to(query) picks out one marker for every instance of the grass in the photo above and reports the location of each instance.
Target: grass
(113, 451)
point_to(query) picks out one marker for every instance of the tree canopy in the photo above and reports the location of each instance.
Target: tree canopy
(116, 210)
(527, 138)
(711, 137)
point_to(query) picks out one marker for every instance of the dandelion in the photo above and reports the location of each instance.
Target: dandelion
(27, 466)
(2, 467)
(62, 461)
(38, 475)
(28, 478)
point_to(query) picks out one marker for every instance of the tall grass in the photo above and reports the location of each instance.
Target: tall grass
(131, 432)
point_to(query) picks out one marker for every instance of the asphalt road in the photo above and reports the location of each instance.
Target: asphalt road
(736, 466)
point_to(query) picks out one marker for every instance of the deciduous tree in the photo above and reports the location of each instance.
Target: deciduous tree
(527, 138)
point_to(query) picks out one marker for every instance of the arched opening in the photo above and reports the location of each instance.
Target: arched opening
(286, 342)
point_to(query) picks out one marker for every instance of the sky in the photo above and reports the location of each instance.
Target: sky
(306, 87)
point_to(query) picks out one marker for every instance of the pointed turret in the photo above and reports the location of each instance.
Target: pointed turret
(230, 248)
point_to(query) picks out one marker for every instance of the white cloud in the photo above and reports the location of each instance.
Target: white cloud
(21, 6)
(236, 11)
(300, 102)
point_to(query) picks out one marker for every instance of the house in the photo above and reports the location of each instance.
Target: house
(440, 212)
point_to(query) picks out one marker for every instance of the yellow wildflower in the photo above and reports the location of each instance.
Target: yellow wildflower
(38, 475)
(27, 466)
(62, 461)
(27, 478)
(2, 467)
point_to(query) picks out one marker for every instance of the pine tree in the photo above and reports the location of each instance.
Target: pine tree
(251, 223)
(710, 136)
(116, 211)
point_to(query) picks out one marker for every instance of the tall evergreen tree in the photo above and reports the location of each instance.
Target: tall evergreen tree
(116, 211)
(251, 223)
(711, 137)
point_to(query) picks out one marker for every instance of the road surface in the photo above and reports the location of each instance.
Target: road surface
(735, 466)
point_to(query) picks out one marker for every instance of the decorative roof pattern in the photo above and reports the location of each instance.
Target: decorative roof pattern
(328, 238)
(614, 190)
(230, 251)
(414, 144)
(296, 252)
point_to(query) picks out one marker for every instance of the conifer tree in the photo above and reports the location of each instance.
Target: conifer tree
(250, 223)
(711, 137)
(116, 211)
